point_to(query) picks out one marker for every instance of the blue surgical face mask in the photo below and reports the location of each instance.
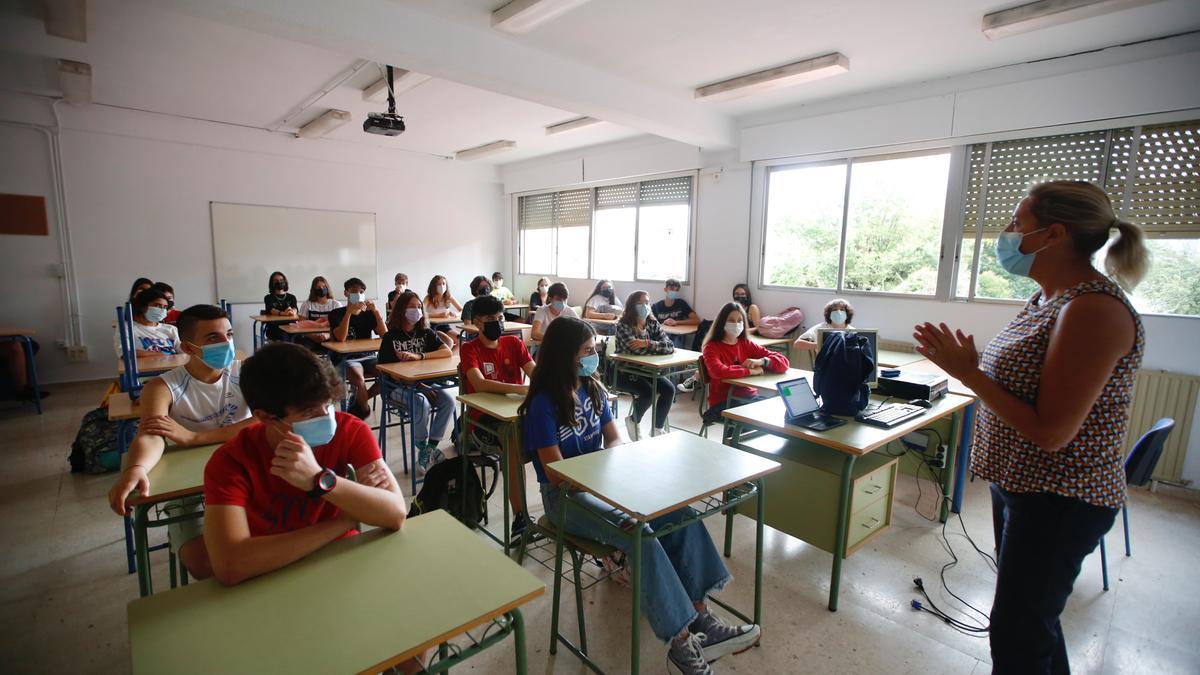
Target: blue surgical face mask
(218, 355)
(358, 297)
(642, 309)
(558, 305)
(318, 430)
(838, 317)
(673, 295)
(156, 314)
(588, 365)
(1009, 255)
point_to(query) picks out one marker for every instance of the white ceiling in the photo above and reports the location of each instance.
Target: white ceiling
(252, 62)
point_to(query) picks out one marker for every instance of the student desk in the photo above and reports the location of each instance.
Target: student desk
(843, 445)
(293, 331)
(261, 321)
(522, 307)
(439, 320)
(347, 348)
(25, 337)
(180, 473)
(412, 373)
(349, 607)
(651, 478)
(517, 328)
(500, 422)
(782, 345)
(680, 331)
(964, 441)
(767, 381)
(652, 366)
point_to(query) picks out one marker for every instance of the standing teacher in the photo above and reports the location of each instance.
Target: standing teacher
(1056, 386)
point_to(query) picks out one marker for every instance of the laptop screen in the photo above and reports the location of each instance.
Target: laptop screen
(797, 397)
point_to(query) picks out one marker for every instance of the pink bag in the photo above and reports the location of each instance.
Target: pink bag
(779, 325)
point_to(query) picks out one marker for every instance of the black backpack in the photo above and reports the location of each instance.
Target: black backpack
(841, 372)
(95, 446)
(442, 489)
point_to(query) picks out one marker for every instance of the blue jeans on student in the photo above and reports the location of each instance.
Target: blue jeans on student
(678, 569)
(428, 421)
(1042, 539)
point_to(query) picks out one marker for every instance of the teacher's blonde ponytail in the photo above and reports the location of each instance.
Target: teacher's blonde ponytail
(1085, 210)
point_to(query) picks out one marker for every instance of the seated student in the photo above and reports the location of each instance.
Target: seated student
(278, 302)
(503, 294)
(277, 491)
(172, 313)
(602, 303)
(140, 285)
(317, 307)
(439, 302)
(497, 363)
(198, 403)
(538, 297)
(838, 314)
(728, 353)
(409, 338)
(741, 295)
(556, 306)
(150, 335)
(358, 320)
(639, 333)
(480, 285)
(566, 414)
(675, 311)
(401, 286)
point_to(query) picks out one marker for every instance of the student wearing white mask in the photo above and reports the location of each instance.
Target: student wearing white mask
(838, 314)
(439, 302)
(151, 337)
(538, 297)
(401, 286)
(729, 353)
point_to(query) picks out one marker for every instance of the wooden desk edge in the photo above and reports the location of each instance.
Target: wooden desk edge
(675, 507)
(137, 500)
(453, 633)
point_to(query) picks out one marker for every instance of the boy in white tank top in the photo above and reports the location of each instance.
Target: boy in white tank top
(199, 403)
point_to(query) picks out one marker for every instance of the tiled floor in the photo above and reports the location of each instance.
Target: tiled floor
(63, 586)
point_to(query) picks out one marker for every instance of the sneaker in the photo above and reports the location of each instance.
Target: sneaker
(435, 455)
(631, 426)
(519, 522)
(422, 457)
(686, 657)
(687, 385)
(719, 638)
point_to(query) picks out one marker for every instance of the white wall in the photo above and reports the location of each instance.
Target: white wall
(138, 189)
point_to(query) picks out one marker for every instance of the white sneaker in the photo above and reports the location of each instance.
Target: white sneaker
(719, 638)
(687, 385)
(660, 431)
(632, 427)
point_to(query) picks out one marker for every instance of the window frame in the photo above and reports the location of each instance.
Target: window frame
(689, 271)
(763, 172)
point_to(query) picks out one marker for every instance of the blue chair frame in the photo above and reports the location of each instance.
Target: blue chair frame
(1139, 469)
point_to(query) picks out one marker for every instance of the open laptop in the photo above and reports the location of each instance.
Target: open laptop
(802, 407)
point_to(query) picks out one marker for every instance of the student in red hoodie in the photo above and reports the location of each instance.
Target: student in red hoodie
(729, 353)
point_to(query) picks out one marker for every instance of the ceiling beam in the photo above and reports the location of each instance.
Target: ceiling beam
(385, 31)
(522, 16)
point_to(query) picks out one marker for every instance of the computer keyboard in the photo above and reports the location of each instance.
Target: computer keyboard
(890, 415)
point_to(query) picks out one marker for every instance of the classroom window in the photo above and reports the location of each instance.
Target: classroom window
(624, 232)
(869, 224)
(1150, 173)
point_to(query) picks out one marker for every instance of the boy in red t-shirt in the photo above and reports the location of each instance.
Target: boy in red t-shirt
(497, 364)
(275, 493)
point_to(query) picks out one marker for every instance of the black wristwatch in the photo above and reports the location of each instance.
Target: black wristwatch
(323, 484)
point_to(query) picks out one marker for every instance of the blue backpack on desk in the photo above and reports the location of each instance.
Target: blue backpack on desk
(841, 371)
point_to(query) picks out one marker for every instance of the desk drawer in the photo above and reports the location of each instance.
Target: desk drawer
(866, 522)
(873, 486)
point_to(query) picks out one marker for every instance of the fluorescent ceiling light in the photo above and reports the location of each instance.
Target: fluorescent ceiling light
(776, 78)
(1047, 13)
(327, 122)
(402, 80)
(522, 16)
(75, 81)
(571, 125)
(484, 150)
(66, 19)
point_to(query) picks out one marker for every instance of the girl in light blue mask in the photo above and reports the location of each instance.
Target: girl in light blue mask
(638, 332)
(151, 337)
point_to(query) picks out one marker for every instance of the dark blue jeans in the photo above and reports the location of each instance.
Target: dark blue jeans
(1042, 540)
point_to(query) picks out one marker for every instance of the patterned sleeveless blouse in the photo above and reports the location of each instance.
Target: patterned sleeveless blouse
(1090, 467)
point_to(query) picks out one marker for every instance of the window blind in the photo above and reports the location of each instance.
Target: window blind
(666, 191)
(573, 208)
(617, 196)
(1163, 193)
(536, 212)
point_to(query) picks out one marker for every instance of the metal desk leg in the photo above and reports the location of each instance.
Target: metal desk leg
(951, 465)
(758, 553)
(560, 530)
(962, 458)
(129, 547)
(518, 624)
(635, 647)
(735, 438)
(506, 448)
(839, 541)
(31, 369)
(142, 547)
(411, 399)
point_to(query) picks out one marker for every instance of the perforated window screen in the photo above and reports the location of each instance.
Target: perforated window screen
(1163, 195)
(666, 191)
(617, 196)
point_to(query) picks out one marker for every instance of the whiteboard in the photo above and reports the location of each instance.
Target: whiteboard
(250, 242)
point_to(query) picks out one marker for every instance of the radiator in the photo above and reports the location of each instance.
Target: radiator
(1158, 394)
